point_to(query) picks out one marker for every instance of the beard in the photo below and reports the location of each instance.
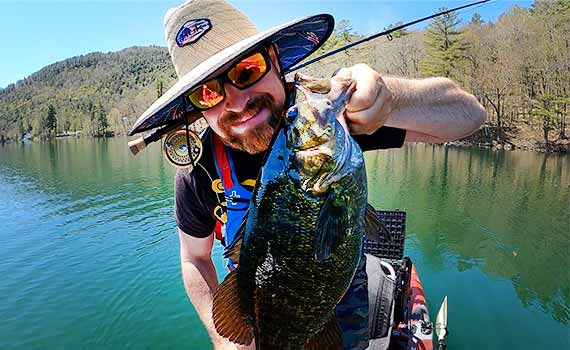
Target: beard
(256, 139)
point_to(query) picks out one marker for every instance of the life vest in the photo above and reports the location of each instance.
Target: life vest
(236, 196)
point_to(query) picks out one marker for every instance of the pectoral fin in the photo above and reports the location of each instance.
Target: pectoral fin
(374, 228)
(226, 312)
(331, 226)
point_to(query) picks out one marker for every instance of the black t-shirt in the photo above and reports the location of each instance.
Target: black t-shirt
(198, 193)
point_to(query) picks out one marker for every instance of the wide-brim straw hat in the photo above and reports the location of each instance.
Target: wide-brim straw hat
(205, 36)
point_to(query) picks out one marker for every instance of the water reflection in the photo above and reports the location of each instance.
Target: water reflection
(89, 249)
(88, 242)
(506, 213)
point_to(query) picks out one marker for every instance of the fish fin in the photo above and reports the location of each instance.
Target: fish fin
(374, 227)
(328, 338)
(331, 226)
(229, 321)
(232, 251)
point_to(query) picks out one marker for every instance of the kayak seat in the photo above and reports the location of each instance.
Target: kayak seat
(381, 303)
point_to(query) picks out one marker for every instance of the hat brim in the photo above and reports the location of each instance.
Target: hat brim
(295, 41)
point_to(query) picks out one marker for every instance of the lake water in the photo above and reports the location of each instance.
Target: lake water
(89, 250)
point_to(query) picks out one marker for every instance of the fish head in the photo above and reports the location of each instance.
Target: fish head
(316, 131)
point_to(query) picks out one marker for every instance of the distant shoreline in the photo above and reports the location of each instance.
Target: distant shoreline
(479, 139)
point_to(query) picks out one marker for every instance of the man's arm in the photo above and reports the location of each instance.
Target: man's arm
(433, 110)
(200, 281)
(430, 110)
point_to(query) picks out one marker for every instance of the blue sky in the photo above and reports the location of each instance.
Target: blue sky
(36, 33)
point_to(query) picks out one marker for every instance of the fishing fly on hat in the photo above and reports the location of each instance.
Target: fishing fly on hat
(203, 38)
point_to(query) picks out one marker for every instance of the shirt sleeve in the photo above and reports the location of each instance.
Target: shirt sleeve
(191, 215)
(383, 138)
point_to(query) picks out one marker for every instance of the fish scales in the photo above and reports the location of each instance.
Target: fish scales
(285, 281)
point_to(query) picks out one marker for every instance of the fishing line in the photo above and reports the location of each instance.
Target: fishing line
(475, 7)
(460, 12)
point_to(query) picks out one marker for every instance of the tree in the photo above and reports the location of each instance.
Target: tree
(445, 47)
(103, 122)
(100, 123)
(400, 56)
(159, 88)
(342, 35)
(553, 63)
(546, 109)
(476, 19)
(51, 119)
(398, 33)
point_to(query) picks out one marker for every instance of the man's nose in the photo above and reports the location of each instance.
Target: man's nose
(236, 100)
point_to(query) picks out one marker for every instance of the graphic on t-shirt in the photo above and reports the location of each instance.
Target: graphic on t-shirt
(220, 210)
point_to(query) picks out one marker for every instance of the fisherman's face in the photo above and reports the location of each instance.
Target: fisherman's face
(246, 119)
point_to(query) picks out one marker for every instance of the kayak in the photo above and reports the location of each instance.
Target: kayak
(399, 315)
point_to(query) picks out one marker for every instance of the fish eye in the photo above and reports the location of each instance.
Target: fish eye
(292, 113)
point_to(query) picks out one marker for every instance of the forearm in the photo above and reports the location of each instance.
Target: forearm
(433, 109)
(200, 281)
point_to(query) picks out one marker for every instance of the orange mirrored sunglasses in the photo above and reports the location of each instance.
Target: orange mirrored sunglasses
(242, 75)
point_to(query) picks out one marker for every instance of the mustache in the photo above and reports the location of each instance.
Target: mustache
(251, 108)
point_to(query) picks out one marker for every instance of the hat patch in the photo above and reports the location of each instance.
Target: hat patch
(192, 30)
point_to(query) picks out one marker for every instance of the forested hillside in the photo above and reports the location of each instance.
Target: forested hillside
(518, 68)
(90, 93)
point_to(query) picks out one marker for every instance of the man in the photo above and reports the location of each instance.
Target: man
(233, 76)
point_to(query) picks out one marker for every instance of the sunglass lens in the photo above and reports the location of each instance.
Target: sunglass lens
(248, 71)
(207, 95)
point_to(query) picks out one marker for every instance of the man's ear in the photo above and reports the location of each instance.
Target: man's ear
(274, 55)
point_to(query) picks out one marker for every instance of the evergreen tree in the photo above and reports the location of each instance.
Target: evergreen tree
(51, 120)
(103, 122)
(545, 108)
(159, 88)
(99, 120)
(445, 47)
(476, 19)
(343, 29)
(398, 33)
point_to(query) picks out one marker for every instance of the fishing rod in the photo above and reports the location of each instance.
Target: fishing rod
(386, 32)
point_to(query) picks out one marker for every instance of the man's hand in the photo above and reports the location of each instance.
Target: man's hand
(371, 104)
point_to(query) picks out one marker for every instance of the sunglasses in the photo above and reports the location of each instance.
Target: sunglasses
(242, 75)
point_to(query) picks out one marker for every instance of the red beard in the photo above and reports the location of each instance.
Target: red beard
(258, 138)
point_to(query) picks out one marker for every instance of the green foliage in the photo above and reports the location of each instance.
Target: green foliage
(51, 119)
(445, 55)
(476, 19)
(342, 35)
(398, 33)
(550, 7)
(549, 109)
(127, 81)
(159, 88)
